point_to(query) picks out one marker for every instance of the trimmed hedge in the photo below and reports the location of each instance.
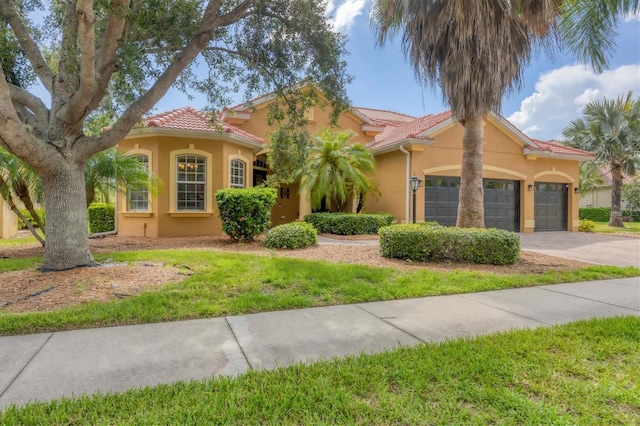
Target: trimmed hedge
(27, 215)
(291, 236)
(473, 245)
(349, 223)
(101, 217)
(603, 214)
(245, 212)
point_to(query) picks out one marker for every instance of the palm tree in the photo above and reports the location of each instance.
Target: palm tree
(475, 52)
(114, 171)
(589, 177)
(336, 170)
(105, 172)
(611, 130)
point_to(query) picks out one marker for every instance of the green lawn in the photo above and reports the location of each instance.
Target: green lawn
(233, 284)
(18, 241)
(582, 373)
(631, 227)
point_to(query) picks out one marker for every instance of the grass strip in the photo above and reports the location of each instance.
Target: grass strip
(581, 373)
(235, 284)
(629, 227)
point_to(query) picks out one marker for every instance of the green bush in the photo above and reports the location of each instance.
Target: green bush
(349, 223)
(245, 212)
(291, 236)
(595, 214)
(27, 215)
(586, 225)
(603, 214)
(101, 217)
(473, 245)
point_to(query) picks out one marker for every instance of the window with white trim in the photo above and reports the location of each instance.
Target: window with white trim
(138, 196)
(191, 183)
(237, 174)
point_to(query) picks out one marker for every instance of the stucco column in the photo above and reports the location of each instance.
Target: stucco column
(8, 221)
(528, 206)
(304, 206)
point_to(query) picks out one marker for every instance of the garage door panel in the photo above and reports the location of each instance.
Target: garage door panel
(501, 201)
(550, 206)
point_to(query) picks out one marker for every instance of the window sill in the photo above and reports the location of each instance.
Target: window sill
(190, 214)
(136, 214)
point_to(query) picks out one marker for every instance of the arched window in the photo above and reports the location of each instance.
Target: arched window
(191, 183)
(237, 169)
(138, 196)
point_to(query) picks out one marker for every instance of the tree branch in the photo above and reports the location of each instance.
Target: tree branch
(106, 55)
(30, 48)
(77, 106)
(210, 21)
(14, 136)
(33, 103)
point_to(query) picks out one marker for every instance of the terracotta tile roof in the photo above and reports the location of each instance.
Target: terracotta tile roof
(558, 148)
(414, 129)
(384, 117)
(193, 120)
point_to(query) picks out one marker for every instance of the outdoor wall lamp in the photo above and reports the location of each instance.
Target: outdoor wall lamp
(530, 187)
(415, 184)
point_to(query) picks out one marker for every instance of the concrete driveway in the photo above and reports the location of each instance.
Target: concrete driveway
(593, 248)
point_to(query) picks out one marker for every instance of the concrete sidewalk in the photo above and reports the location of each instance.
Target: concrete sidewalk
(52, 365)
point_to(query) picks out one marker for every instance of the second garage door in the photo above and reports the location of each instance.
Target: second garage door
(550, 206)
(501, 202)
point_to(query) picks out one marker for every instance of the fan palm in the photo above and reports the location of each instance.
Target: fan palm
(114, 171)
(336, 170)
(105, 172)
(475, 52)
(611, 130)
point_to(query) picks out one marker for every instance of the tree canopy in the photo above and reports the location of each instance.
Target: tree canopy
(122, 56)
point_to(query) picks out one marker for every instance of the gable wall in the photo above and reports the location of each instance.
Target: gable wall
(257, 124)
(8, 221)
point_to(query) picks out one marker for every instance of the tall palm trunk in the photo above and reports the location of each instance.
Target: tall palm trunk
(471, 203)
(65, 203)
(616, 196)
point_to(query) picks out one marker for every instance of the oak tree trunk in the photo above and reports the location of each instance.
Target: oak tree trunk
(616, 196)
(471, 203)
(67, 244)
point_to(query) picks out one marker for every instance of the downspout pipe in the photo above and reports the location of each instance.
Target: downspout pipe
(406, 181)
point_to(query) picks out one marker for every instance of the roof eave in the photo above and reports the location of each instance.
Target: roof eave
(197, 134)
(558, 155)
(406, 141)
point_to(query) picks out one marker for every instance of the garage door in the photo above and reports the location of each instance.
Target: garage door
(550, 201)
(501, 202)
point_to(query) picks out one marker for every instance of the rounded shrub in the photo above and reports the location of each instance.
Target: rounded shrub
(291, 236)
(586, 225)
(245, 212)
(439, 243)
(349, 223)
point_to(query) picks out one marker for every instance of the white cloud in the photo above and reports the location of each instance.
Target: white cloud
(632, 16)
(561, 94)
(343, 15)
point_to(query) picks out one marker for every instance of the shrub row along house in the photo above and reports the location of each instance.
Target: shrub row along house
(529, 185)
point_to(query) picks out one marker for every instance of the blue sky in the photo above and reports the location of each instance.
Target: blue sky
(554, 91)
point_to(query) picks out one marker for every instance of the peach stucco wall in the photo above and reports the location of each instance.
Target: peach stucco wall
(162, 221)
(503, 159)
(8, 221)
